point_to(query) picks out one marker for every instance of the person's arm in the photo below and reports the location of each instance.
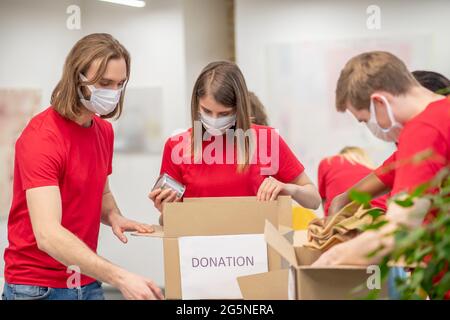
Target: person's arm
(300, 189)
(112, 216)
(44, 204)
(322, 171)
(357, 250)
(370, 184)
(159, 196)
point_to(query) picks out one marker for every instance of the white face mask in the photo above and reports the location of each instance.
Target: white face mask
(102, 101)
(217, 126)
(389, 134)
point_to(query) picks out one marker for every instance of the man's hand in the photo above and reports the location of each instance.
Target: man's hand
(135, 287)
(120, 224)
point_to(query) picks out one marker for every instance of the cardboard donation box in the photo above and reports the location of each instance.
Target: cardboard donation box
(304, 282)
(210, 242)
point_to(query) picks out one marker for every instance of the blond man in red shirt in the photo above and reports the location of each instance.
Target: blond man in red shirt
(377, 88)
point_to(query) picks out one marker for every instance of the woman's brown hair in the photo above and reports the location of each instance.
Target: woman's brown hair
(101, 47)
(225, 82)
(259, 115)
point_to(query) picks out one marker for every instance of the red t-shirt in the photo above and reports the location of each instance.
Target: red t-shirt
(220, 178)
(54, 151)
(336, 175)
(386, 172)
(429, 130)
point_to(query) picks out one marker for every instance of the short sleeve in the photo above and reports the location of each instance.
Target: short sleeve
(324, 167)
(411, 173)
(289, 167)
(39, 160)
(386, 172)
(169, 164)
(111, 148)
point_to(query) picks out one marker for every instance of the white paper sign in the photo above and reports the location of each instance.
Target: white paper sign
(210, 265)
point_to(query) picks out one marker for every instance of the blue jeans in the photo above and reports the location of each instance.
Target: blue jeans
(91, 291)
(395, 273)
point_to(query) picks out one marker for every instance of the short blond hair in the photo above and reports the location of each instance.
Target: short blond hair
(356, 155)
(369, 72)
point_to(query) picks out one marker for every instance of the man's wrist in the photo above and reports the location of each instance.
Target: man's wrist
(111, 215)
(116, 278)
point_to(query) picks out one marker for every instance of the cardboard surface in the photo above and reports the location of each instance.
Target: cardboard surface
(272, 285)
(217, 216)
(284, 203)
(331, 282)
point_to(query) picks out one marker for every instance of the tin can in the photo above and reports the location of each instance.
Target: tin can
(165, 181)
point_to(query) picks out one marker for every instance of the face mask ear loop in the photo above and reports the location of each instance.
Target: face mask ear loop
(390, 112)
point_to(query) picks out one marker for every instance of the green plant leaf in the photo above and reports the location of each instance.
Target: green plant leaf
(360, 197)
(408, 202)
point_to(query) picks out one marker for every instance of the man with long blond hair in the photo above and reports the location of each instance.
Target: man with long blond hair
(61, 190)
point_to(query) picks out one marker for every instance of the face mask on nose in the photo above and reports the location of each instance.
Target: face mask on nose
(102, 101)
(217, 126)
(389, 134)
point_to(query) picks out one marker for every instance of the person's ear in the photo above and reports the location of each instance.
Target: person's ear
(378, 101)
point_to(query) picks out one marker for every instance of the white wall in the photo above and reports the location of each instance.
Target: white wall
(206, 37)
(299, 28)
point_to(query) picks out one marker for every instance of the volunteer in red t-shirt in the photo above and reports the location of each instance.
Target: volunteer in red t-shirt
(338, 173)
(377, 89)
(61, 193)
(214, 158)
(381, 180)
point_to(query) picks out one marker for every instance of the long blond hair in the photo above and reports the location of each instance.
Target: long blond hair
(224, 81)
(101, 47)
(356, 155)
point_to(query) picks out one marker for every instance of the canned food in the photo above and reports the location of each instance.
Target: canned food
(165, 181)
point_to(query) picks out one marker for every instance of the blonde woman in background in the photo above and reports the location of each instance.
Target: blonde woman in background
(338, 173)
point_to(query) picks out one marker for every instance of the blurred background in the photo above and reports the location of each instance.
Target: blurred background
(290, 51)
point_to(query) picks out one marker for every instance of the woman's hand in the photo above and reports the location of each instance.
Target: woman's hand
(269, 189)
(160, 197)
(301, 189)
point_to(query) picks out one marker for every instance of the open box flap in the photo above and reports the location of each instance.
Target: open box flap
(280, 244)
(272, 285)
(158, 233)
(337, 267)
